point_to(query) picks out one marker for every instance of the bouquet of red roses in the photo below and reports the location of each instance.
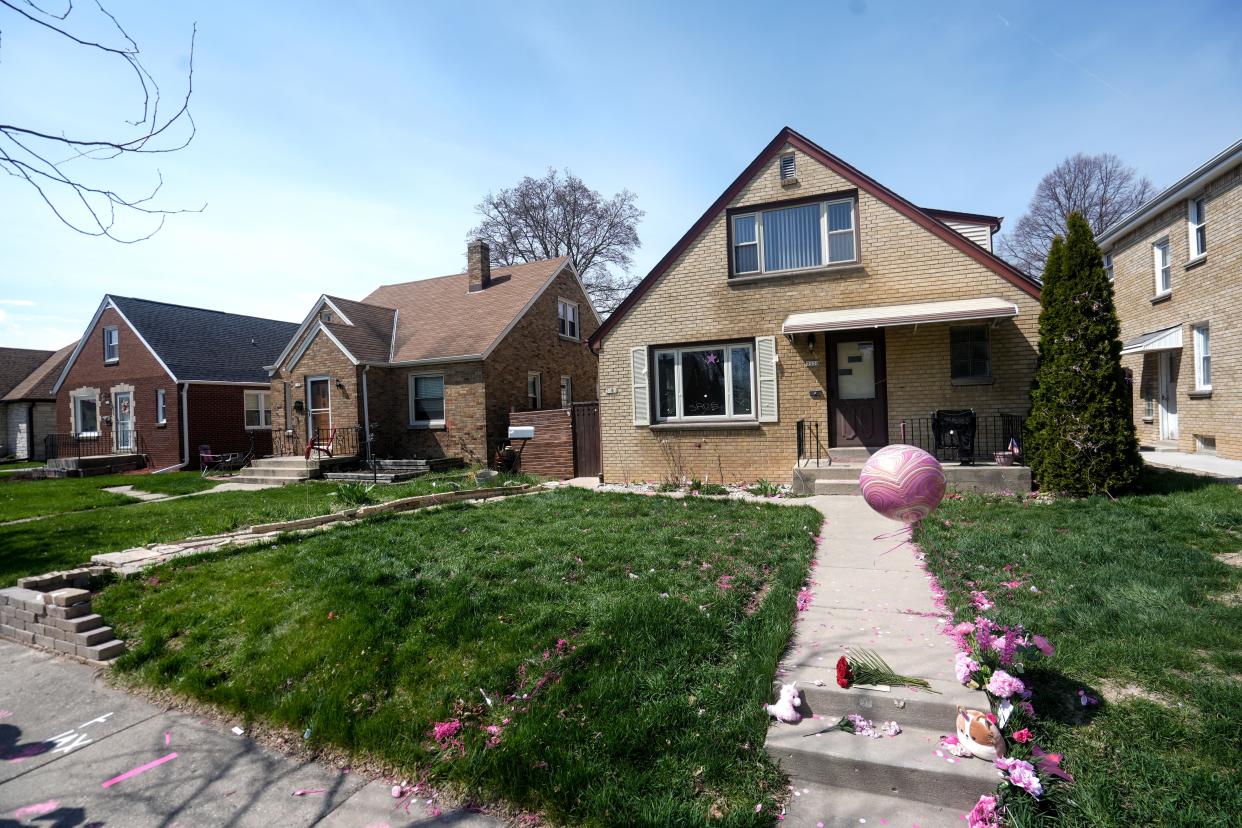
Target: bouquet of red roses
(865, 667)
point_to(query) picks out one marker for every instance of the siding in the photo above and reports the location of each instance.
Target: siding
(980, 234)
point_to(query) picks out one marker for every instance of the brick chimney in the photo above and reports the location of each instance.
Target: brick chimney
(478, 265)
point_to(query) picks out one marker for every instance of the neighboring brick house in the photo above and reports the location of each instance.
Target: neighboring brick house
(163, 379)
(435, 366)
(1176, 265)
(809, 293)
(28, 408)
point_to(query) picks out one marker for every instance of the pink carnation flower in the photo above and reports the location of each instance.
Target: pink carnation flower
(984, 814)
(1002, 685)
(964, 667)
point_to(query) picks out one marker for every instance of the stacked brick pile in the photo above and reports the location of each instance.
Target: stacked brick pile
(60, 619)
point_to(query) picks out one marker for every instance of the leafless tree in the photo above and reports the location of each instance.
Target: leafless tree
(1101, 187)
(54, 163)
(558, 215)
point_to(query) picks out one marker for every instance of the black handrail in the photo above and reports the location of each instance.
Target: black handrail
(993, 433)
(96, 443)
(803, 433)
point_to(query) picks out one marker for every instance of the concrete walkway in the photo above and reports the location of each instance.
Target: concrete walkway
(870, 591)
(1207, 465)
(75, 752)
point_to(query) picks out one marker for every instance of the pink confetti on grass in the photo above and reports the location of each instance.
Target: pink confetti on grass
(140, 769)
(38, 809)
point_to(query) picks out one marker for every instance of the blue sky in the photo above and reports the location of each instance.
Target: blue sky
(341, 147)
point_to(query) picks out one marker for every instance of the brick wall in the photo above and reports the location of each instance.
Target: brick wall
(551, 452)
(1207, 290)
(464, 433)
(136, 368)
(218, 419)
(534, 345)
(321, 359)
(694, 302)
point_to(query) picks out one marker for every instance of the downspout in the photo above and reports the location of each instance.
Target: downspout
(184, 416)
(30, 432)
(366, 413)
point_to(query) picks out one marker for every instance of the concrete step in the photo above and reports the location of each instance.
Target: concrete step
(849, 454)
(911, 766)
(837, 487)
(279, 471)
(813, 804)
(283, 462)
(245, 477)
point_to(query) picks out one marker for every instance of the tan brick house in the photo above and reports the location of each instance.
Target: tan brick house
(1176, 266)
(811, 300)
(432, 368)
(158, 381)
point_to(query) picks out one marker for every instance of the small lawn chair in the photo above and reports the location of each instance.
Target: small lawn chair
(209, 461)
(317, 443)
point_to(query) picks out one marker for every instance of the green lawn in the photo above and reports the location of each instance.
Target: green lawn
(17, 465)
(1143, 613)
(627, 677)
(29, 498)
(70, 539)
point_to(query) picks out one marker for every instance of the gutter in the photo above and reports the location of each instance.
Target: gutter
(185, 432)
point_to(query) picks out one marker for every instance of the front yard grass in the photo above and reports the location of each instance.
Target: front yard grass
(31, 498)
(69, 539)
(626, 672)
(1145, 613)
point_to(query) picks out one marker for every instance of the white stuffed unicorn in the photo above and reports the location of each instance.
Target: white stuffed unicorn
(787, 704)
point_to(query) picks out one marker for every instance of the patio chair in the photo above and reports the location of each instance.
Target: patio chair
(319, 444)
(955, 430)
(209, 461)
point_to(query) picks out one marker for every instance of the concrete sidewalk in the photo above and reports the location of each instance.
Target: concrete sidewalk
(1205, 465)
(66, 738)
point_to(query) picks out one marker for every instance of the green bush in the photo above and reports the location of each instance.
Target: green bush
(356, 494)
(1080, 435)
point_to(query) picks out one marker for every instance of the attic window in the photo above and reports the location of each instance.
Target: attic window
(325, 316)
(789, 169)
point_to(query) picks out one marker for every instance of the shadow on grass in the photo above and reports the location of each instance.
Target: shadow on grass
(1056, 698)
(1155, 481)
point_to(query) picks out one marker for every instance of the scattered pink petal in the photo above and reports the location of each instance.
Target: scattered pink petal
(38, 809)
(308, 791)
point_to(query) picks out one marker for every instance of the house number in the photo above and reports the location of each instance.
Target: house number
(812, 363)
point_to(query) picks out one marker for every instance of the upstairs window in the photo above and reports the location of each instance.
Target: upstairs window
(794, 238)
(970, 353)
(1198, 227)
(567, 318)
(258, 409)
(111, 344)
(1108, 266)
(1164, 273)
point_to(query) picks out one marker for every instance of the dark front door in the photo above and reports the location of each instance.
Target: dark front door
(857, 401)
(586, 440)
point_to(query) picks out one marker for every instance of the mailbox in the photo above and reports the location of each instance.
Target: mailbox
(521, 432)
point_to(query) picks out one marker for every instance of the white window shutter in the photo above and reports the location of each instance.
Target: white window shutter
(765, 366)
(639, 384)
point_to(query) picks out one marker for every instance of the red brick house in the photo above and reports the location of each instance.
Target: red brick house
(432, 368)
(159, 380)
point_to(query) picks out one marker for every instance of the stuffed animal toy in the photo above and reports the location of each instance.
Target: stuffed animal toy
(787, 704)
(978, 733)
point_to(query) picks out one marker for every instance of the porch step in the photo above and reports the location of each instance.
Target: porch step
(817, 804)
(280, 471)
(274, 480)
(367, 477)
(837, 487)
(905, 766)
(850, 454)
(296, 462)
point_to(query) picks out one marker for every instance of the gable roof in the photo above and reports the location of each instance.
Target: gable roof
(440, 318)
(16, 365)
(197, 344)
(366, 330)
(855, 176)
(1197, 179)
(39, 384)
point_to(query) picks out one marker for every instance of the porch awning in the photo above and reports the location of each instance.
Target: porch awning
(885, 316)
(1166, 339)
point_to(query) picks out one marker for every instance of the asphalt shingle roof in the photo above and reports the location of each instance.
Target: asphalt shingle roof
(369, 338)
(39, 383)
(16, 364)
(207, 345)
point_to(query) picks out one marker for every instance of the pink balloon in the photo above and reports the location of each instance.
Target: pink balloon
(902, 483)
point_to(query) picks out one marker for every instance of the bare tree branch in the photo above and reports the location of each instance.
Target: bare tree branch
(558, 215)
(35, 156)
(1101, 187)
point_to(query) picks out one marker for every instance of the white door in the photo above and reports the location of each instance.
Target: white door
(123, 426)
(1168, 396)
(319, 407)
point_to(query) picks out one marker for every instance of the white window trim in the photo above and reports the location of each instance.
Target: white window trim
(1193, 222)
(416, 423)
(74, 398)
(567, 385)
(538, 395)
(824, 234)
(1158, 269)
(116, 332)
(161, 407)
(265, 409)
(679, 416)
(576, 336)
(1108, 267)
(1201, 334)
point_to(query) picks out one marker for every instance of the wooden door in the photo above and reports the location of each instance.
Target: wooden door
(857, 399)
(587, 456)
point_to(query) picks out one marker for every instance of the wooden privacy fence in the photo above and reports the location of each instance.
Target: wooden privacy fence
(566, 442)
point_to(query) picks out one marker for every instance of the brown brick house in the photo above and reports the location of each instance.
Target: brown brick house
(161, 380)
(810, 299)
(27, 403)
(1176, 265)
(435, 366)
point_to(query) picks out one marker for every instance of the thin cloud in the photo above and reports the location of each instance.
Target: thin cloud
(21, 303)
